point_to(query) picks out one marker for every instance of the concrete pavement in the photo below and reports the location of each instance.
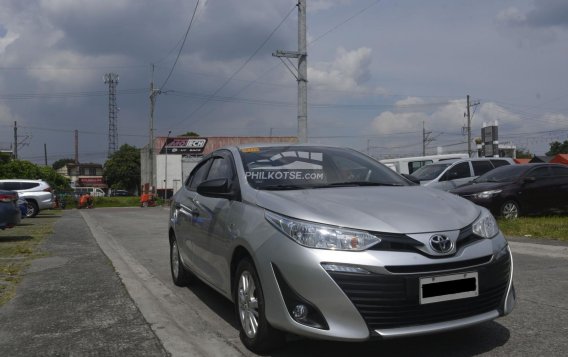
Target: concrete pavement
(73, 303)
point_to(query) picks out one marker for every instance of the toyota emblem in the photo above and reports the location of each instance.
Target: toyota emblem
(441, 244)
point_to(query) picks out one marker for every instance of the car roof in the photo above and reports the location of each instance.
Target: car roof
(20, 180)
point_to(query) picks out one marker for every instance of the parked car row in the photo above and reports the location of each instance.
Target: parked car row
(507, 189)
(37, 194)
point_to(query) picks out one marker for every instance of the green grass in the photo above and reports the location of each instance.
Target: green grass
(19, 246)
(552, 227)
(133, 201)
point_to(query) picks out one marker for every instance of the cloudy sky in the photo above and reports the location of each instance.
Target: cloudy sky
(378, 71)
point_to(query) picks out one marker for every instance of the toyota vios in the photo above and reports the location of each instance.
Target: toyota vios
(328, 243)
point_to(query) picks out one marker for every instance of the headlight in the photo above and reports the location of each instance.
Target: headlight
(487, 194)
(486, 226)
(314, 235)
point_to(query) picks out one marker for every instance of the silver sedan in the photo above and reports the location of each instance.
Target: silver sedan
(328, 243)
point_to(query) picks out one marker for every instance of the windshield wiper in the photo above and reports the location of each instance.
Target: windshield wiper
(282, 187)
(358, 183)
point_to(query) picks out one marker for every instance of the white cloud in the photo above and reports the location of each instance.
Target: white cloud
(7, 40)
(349, 71)
(511, 16)
(317, 5)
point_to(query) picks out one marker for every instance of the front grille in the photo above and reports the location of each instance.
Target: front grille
(386, 301)
(425, 268)
(399, 242)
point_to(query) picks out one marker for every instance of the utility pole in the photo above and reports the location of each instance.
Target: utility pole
(15, 140)
(301, 72)
(425, 139)
(468, 128)
(153, 93)
(166, 167)
(45, 152)
(76, 147)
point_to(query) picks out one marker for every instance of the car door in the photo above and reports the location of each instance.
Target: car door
(560, 186)
(456, 175)
(212, 248)
(537, 193)
(186, 215)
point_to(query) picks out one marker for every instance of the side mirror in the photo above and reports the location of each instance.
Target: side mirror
(218, 188)
(530, 179)
(411, 179)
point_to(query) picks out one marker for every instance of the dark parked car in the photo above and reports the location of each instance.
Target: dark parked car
(120, 193)
(9, 210)
(513, 190)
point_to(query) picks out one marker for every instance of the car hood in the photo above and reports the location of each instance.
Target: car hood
(387, 209)
(471, 188)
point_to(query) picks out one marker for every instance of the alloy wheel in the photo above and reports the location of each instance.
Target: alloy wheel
(510, 210)
(248, 304)
(175, 259)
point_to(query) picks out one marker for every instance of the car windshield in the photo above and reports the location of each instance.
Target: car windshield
(300, 167)
(430, 171)
(508, 173)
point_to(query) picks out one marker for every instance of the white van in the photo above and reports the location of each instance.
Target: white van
(93, 191)
(449, 174)
(407, 165)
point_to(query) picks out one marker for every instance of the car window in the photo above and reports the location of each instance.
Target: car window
(499, 163)
(299, 167)
(459, 171)
(28, 185)
(220, 168)
(559, 171)
(415, 165)
(540, 172)
(430, 172)
(198, 176)
(481, 167)
(10, 186)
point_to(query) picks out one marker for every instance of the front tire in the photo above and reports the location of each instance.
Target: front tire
(510, 210)
(180, 275)
(254, 330)
(32, 209)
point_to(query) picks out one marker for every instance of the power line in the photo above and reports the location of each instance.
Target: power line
(181, 47)
(239, 69)
(57, 95)
(344, 22)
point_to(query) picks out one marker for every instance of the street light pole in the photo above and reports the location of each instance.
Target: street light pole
(166, 168)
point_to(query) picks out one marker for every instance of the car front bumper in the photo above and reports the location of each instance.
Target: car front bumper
(382, 299)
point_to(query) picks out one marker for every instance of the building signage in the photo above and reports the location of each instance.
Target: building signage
(184, 145)
(490, 141)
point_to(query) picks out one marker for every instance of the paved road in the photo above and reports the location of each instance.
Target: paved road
(72, 302)
(197, 321)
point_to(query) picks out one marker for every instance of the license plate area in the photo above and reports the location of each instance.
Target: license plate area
(448, 287)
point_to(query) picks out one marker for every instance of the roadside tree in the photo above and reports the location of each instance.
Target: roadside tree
(20, 169)
(122, 169)
(557, 147)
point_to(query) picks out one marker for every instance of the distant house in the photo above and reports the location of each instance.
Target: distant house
(84, 175)
(560, 159)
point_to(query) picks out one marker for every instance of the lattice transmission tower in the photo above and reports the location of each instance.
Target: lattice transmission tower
(112, 80)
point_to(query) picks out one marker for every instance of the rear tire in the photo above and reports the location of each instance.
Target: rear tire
(254, 330)
(180, 275)
(510, 210)
(33, 209)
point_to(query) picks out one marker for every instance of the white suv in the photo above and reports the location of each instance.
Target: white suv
(37, 193)
(449, 174)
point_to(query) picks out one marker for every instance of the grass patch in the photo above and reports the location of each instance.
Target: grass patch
(19, 246)
(552, 227)
(133, 201)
